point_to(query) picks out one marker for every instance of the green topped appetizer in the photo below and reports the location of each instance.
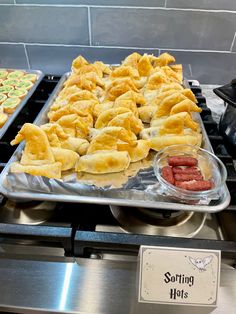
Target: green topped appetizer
(21, 93)
(10, 104)
(3, 73)
(15, 74)
(24, 85)
(3, 97)
(11, 82)
(6, 89)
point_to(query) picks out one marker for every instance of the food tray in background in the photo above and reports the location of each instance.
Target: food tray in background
(82, 193)
(12, 117)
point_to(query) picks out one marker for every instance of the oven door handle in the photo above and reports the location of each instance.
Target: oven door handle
(57, 235)
(87, 242)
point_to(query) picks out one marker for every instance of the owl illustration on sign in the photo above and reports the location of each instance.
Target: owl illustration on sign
(201, 263)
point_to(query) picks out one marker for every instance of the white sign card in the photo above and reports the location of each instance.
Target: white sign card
(179, 276)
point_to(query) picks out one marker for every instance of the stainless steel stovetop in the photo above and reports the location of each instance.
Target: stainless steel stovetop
(76, 258)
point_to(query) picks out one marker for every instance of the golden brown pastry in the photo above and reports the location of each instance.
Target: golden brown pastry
(164, 59)
(119, 87)
(66, 157)
(132, 60)
(156, 79)
(37, 150)
(146, 113)
(108, 137)
(160, 142)
(144, 65)
(3, 118)
(185, 105)
(125, 71)
(138, 98)
(104, 162)
(106, 116)
(55, 134)
(128, 121)
(100, 108)
(178, 68)
(78, 63)
(52, 171)
(138, 152)
(76, 144)
(167, 103)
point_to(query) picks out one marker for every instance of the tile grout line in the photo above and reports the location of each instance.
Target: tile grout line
(232, 45)
(89, 27)
(116, 47)
(119, 7)
(165, 3)
(27, 57)
(190, 70)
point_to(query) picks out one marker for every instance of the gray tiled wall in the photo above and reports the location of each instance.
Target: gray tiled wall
(48, 34)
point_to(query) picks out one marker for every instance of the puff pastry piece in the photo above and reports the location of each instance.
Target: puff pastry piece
(67, 92)
(124, 71)
(105, 117)
(78, 63)
(52, 171)
(108, 137)
(189, 94)
(66, 157)
(176, 123)
(178, 68)
(138, 98)
(156, 79)
(138, 152)
(144, 65)
(101, 107)
(37, 150)
(172, 75)
(81, 95)
(55, 134)
(90, 68)
(185, 106)
(119, 87)
(158, 99)
(104, 162)
(132, 60)
(76, 144)
(73, 126)
(146, 113)
(87, 81)
(58, 138)
(173, 85)
(103, 67)
(164, 59)
(160, 142)
(128, 121)
(167, 103)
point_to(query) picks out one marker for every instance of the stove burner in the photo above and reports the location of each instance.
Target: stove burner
(152, 222)
(27, 213)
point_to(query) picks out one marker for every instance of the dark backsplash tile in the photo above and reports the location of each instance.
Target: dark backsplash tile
(203, 4)
(13, 56)
(44, 24)
(162, 28)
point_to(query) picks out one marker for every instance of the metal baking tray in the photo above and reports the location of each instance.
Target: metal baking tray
(24, 100)
(116, 198)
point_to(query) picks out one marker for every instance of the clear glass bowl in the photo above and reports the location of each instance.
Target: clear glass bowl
(211, 167)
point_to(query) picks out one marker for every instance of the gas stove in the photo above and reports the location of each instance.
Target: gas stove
(82, 258)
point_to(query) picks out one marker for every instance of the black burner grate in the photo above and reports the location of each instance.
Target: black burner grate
(217, 142)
